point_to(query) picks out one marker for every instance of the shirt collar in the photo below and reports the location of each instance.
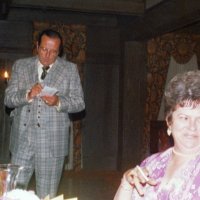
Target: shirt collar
(40, 65)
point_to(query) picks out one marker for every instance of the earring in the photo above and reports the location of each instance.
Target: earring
(169, 132)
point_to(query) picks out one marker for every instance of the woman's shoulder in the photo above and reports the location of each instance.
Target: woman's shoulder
(157, 157)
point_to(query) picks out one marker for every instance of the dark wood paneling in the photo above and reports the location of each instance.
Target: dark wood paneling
(15, 37)
(134, 93)
(132, 7)
(168, 16)
(101, 83)
(15, 42)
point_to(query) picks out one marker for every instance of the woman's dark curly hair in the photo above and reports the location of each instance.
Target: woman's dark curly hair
(182, 90)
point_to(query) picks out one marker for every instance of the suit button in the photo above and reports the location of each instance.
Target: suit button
(24, 124)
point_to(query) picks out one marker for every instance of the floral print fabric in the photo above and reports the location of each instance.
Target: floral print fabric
(185, 184)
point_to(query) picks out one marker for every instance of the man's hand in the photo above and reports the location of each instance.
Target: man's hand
(51, 100)
(34, 91)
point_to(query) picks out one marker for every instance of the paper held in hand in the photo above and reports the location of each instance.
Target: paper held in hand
(60, 197)
(48, 91)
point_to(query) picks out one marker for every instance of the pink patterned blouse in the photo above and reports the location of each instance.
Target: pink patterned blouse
(185, 185)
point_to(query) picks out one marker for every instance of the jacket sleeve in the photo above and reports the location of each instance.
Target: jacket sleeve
(14, 95)
(73, 100)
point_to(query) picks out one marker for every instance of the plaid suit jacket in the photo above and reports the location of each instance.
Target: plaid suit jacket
(53, 124)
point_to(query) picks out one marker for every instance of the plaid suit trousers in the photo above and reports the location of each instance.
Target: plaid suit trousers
(48, 169)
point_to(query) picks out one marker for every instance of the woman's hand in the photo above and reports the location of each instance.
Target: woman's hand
(138, 178)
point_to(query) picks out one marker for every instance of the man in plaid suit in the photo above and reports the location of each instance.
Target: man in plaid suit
(40, 125)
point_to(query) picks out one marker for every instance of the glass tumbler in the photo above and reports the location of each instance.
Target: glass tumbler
(8, 177)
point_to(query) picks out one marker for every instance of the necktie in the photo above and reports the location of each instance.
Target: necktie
(44, 73)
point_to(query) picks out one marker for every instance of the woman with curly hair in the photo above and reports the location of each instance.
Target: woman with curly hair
(174, 173)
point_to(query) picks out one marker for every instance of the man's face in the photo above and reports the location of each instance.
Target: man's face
(48, 50)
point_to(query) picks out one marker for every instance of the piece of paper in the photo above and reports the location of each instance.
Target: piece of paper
(60, 197)
(47, 198)
(48, 91)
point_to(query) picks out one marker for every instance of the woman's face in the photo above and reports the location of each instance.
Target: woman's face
(185, 128)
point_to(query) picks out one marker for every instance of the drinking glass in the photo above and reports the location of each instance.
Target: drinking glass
(8, 177)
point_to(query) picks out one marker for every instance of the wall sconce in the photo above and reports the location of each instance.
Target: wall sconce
(6, 76)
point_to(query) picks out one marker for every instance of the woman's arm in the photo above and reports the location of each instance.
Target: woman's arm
(124, 191)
